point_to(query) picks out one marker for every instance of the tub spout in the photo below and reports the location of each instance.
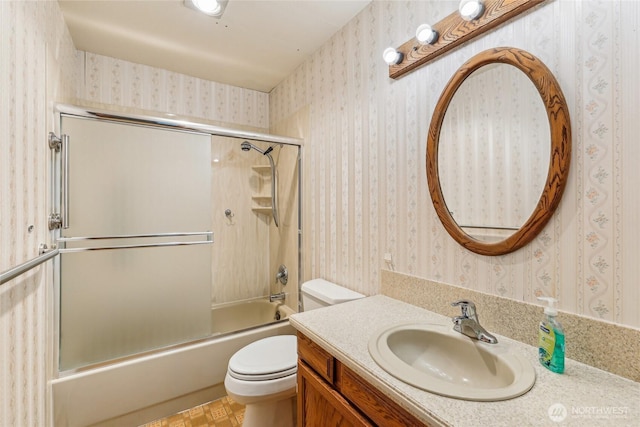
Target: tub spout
(280, 296)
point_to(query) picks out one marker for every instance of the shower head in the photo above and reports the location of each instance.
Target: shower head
(247, 146)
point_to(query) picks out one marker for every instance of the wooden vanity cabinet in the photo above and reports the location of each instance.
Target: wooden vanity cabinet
(331, 394)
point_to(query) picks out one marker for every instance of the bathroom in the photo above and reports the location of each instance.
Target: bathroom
(366, 210)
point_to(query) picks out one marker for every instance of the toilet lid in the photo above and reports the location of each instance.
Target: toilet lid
(265, 359)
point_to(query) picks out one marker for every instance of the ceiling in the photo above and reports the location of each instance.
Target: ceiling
(255, 45)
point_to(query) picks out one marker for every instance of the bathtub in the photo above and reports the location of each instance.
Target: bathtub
(246, 314)
(152, 386)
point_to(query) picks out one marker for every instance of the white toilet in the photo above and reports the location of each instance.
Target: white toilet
(262, 375)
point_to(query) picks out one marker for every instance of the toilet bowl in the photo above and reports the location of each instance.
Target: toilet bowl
(262, 375)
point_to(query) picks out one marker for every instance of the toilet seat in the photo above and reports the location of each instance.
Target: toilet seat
(266, 359)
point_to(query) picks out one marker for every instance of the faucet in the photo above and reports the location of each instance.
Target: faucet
(469, 325)
(280, 296)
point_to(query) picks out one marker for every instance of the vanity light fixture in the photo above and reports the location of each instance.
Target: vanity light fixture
(471, 9)
(214, 8)
(455, 30)
(426, 35)
(392, 56)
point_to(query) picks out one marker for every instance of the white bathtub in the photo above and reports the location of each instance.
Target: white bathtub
(149, 387)
(246, 314)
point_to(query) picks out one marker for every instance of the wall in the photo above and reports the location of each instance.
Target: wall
(122, 85)
(241, 240)
(37, 65)
(364, 158)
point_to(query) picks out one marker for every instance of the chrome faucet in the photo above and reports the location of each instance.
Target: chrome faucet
(469, 325)
(280, 296)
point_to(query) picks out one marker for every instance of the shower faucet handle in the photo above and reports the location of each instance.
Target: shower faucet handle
(283, 275)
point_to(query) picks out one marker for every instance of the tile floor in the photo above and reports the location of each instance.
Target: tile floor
(223, 412)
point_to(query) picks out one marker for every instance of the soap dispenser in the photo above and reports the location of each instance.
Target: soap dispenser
(551, 338)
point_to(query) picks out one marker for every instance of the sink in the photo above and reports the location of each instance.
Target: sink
(437, 359)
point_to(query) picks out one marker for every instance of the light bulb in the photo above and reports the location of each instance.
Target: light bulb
(392, 56)
(426, 35)
(213, 8)
(210, 7)
(471, 9)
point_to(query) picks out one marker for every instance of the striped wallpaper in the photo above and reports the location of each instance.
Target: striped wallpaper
(37, 66)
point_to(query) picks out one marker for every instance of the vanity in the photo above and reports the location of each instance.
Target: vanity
(330, 393)
(339, 383)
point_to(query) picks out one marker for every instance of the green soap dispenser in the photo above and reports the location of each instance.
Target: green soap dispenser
(551, 338)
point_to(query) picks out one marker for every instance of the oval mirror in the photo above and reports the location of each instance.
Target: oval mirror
(498, 151)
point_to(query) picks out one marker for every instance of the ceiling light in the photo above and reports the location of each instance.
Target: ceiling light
(426, 35)
(213, 8)
(471, 9)
(392, 56)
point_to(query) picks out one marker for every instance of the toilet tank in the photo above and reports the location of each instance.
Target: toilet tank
(319, 293)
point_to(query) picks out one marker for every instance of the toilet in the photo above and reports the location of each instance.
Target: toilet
(262, 375)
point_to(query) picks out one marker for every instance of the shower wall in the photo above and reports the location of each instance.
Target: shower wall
(248, 247)
(241, 240)
(284, 240)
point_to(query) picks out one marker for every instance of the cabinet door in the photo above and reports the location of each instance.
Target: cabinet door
(371, 401)
(321, 406)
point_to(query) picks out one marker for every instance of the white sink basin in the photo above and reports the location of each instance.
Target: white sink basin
(437, 359)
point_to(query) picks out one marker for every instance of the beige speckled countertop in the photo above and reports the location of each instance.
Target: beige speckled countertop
(590, 397)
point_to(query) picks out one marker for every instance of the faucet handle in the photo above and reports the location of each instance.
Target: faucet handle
(283, 274)
(468, 308)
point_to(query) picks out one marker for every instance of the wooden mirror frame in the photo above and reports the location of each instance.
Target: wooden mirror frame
(560, 155)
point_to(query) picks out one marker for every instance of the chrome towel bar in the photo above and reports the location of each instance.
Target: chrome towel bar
(23, 268)
(63, 240)
(47, 255)
(209, 235)
(144, 245)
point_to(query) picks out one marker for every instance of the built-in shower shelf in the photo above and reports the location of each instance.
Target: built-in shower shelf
(261, 168)
(262, 199)
(265, 210)
(262, 204)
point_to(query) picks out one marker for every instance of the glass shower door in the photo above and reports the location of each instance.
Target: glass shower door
(123, 288)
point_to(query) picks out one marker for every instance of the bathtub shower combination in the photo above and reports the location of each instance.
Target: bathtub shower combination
(173, 237)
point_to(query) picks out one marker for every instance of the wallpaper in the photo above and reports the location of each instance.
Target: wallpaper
(37, 65)
(367, 203)
(114, 82)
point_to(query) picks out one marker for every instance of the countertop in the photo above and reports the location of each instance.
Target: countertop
(588, 396)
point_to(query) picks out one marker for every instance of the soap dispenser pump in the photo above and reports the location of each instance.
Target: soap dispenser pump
(551, 338)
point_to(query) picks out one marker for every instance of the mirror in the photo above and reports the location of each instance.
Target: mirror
(498, 151)
(497, 136)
